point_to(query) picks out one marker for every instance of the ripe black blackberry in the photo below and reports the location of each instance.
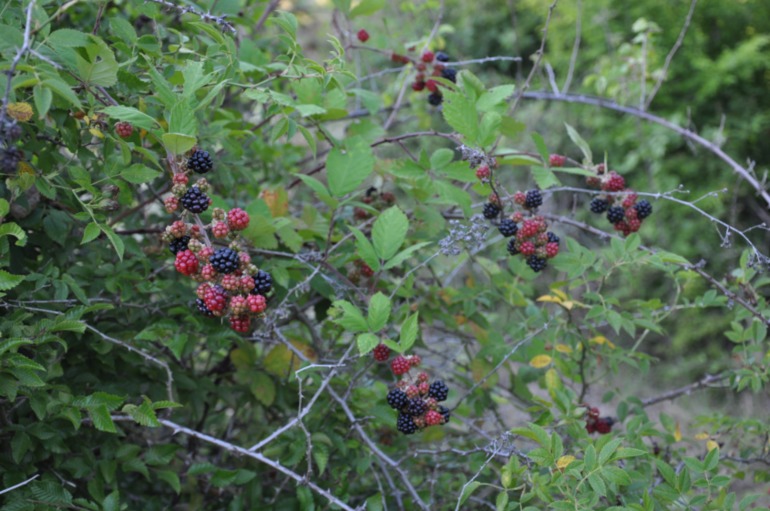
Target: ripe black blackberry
(417, 407)
(643, 209)
(10, 159)
(397, 399)
(537, 264)
(438, 390)
(616, 214)
(508, 228)
(533, 199)
(178, 244)
(405, 424)
(442, 57)
(599, 205)
(225, 260)
(435, 98)
(449, 74)
(512, 247)
(443, 410)
(491, 210)
(263, 283)
(203, 309)
(552, 238)
(195, 201)
(200, 162)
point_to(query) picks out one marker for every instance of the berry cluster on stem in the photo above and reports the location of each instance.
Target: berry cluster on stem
(597, 424)
(622, 206)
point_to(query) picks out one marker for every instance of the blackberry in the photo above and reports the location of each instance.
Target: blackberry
(512, 247)
(599, 205)
(195, 201)
(263, 283)
(536, 263)
(435, 98)
(203, 309)
(491, 210)
(552, 238)
(405, 424)
(225, 260)
(442, 57)
(443, 410)
(12, 131)
(449, 74)
(508, 228)
(200, 162)
(438, 390)
(178, 244)
(397, 399)
(616, 214)
(10, 159)
(417, 407)
(643, 209)
(533, 200)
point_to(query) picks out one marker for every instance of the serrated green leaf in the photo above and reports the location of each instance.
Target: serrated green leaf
(582, 144)
(367, 342)
(608, 450)
(117, 243)
(9, 281)
(67, 325)
(320, 190)
(100, 417)
(403, 255)
(367, 7)
(379, 312)
(468, 490)
(389, 232)
(132, 115)
(494, 97)
(171, 478)
(90, 233)
(409, 331)
(460, 113)
(365, 249)
(346, 170)
(351, 320)
(544, 177)
(178, 143)
(13, 229)
(182, 119)
(143, 414)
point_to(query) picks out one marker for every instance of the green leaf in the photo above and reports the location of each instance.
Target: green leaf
(389, 232)
(608, 449)
(441, 158)
(143, 414)
(409, 331)
(14, 342)
(582, 144)
(379, 312)
(460, 113)
(27, 376)
(67, 38)
(13, 229)
(111, 502)
(171, 478)
(42, 97)
(346, 170)
(100, 416)
(351, 320)
(90, 233)
(182, 119)
(494, 97)
(139, 174)
(9, 281)
(309, 110)
(97, 65)
(132, 115)
(404, 254)
(367, 342)
(117, 243)
(319, 188)
(63, 90)
(367, 7)
(544, 177)
(542, 150)
(178, 143)
(468, 490)
(365, 249)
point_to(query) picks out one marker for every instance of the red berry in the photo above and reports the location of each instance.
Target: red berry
(363, 35)
(630, 200)
(208, 272)
(401, 59)
(529, 228)
(418, 86)
(520, 198)
(124, 129)
(427, 56)
(205, 253)
(634, 224)
(399, 365)
(551, 249)
(527, 248)
(366, 270)
(614, 182)
(237, 219)
(178, 229)
(231, 282)
(431, 85)
(171, 203)
(256, 303)
(557, 160)
(238, 304)
(517, 216)
(186, 263)
(604, 425)
(246, 283)
(202, 290)
(593, 182)
(240, 323)
(381, 353)
(433, 418)
(180, 179)
(483, 173)
(601, 168)
(422, 377)
(220, 230)
(424, 388)
(414, 360)
(411, 391)
(215, 299)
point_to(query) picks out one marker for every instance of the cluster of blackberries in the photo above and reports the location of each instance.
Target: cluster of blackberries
(422, 81)
(417, 404)
(596, 424)
(528, 236)
(624, 211)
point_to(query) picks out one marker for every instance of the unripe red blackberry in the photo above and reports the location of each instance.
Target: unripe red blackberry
(614, 182)
(431, 85)
(630, 200)
(171, 204)
(427, 56)
(412, 391)
(399, 365)
(237, 219)
(238, 304)
(124, 129)
(527, 248)
(434, 418)
(363, 35)
(423, 387)
(483, 173)
(381, 353)
(205, 254)
(604, 425)
(422, 377)
(231, 282)
(186, 263)
(520, 198)
(215, 298)
(418, 85)
(180, 179)
(240, 324)
(256, 303)
(246, 283)
(551, 250)
(634, 224)
(557, 160)
(366, 270)
(529, 228)
(398, 58)
(220, 230)
(208, 272)
(414, 360)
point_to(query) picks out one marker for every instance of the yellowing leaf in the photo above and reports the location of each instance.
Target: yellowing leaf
(550, 299)
(552, 380)
(711, 445)
(561, 294)
(96, 132)
(568, 304)
(678, 432)
(563, 348)
(540, 361)
(20, 111)
(600, 339)
(564, 462)
(701, 436)
(277, 201)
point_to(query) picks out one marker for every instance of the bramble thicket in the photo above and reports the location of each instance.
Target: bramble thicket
(359, 254)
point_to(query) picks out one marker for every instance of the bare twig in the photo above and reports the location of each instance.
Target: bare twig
(670, 56)
(272, 6)
(19, 485)
(687, 389)
(575, 47)
(15, 62)
(219, 20)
